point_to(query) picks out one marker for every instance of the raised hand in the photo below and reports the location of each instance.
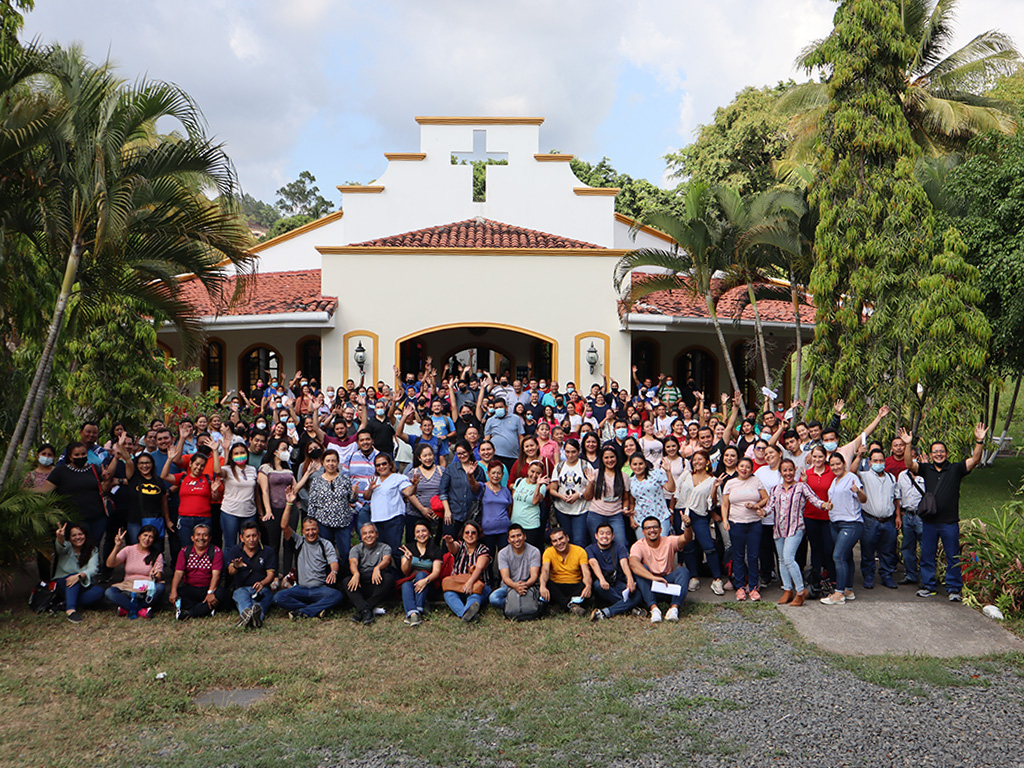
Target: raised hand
(838, 406)
(883, 411)
(119, 538)
(61, 530)
(905, 436)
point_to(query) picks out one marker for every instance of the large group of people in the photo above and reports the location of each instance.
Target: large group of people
(490, 493)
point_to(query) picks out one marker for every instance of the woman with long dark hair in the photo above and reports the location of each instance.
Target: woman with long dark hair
(139, 594)
(78, 562)
(606, 494)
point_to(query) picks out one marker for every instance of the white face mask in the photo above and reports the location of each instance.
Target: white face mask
(284, 455)
(46, 460)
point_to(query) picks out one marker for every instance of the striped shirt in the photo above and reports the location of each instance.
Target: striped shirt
(787, 504)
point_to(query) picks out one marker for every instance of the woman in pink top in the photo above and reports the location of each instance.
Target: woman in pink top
(140, 592)
(786, 503)
(743, 505)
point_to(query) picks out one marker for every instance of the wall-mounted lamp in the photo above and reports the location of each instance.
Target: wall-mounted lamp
(592, 357)
(360, 356)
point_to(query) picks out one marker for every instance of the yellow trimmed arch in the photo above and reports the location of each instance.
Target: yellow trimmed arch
(478, 324)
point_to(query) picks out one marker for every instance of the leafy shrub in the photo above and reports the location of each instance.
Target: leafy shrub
(27, 521)
(991, 558)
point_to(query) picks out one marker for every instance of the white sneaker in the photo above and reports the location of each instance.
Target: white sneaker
(694, 585)
(655, 615)
(672, 614)
(717, 588)
(378, 611)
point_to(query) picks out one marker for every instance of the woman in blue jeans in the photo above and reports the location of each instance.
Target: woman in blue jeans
(846, 495)
(78, 562)
(466, 590)
(693, 499)
(421, 567)
(743, 505)
(606, 494)
(141, 591)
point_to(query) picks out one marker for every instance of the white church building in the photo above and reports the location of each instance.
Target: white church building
(413, 266)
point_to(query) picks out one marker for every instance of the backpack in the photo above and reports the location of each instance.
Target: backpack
(523, 607)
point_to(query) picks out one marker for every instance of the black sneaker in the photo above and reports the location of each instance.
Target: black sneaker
(245, 618)
(641, 612)
(368, 618)
(471, 612)
(257, 616)
(908, 580)
(359, 616)
(598, 614)
(956, 597)
(74, 618)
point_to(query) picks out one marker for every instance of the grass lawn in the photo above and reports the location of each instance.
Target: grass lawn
(987, 488)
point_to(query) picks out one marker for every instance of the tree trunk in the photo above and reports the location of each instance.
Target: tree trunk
(721, 340)
(35, 420)
(1006, 424)
(799, 338)
(45, 360)
(759, 332)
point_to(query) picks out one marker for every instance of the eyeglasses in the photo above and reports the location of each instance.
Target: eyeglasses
(380, 464)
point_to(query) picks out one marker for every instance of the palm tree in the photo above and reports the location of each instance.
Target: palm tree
(697, 254)
(943, 101)
(123, 209)
(762, 230)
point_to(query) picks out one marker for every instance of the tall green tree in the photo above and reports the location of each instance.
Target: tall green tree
(740, 147)
(302, 197)
(941, 92)
(879, 326)
(123, 210)
(636, 197)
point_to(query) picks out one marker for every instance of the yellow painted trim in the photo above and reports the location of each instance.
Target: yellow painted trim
(643, 228)
(334, 250)
(596, 191)
(405, 155)
(476, 324)
(578, 358)
(479, 120)
(553, 157)
(375, 346)
(298, 231)
(360, 188)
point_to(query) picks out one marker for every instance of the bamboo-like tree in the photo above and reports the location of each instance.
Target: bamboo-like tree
(123, 211)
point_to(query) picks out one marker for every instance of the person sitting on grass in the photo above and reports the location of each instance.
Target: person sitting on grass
(466, 588)
(78, 562)
(143, 574)
(615, 588)
(317, 565)
(196, 590)
(653, 560)
(565, 578)
(369, 561)
(519, 566)
(251, 567)
(421, 565)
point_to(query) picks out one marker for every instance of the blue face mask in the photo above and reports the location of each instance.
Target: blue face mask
(499, 412)
(621, 433)
(830, 446)
(879, 468)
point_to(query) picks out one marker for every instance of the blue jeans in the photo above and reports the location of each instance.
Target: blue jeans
(949, 533)
(341, 538)
(879, 536)
(617, 522)
(615, 602)
(390, 532)
(185, 526)
(679, 576)
(746, 546)
(702, 538)
(413, 601)
(309, 601)
(243, 599)
(135, 601)
(845, 535)
(575, 526)
(77, 594)
(912, 529)
(459, 602)
(231, 526)
(789, 570)
(362, 517)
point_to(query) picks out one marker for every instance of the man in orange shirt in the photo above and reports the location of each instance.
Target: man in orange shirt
(565, 578)
(653, 560)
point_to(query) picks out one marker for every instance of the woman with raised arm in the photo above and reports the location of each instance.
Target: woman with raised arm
(141, 590)
(846, 495)
(743, 503)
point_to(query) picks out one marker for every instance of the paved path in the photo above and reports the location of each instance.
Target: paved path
(895, 621)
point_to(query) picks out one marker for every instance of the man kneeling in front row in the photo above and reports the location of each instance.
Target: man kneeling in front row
(614, 585)
(653, 562)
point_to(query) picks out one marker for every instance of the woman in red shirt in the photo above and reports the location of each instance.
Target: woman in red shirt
(818, 534)
(195, 490)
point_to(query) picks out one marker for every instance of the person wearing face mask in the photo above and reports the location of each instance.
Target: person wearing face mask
(882, 521)
(238, 505)
(275, 479)
(463, 413)
(83, 486)
(380, 425)
(45, 457)
(506, 431)
(669, 393)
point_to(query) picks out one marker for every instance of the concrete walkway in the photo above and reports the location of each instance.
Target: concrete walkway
(884, 621)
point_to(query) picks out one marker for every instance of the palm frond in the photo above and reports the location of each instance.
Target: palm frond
(931, 31)
(653, 284)
(974, 67)
(673, 262)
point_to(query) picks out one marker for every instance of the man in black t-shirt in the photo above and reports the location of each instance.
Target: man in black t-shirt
(942, 480)
(380, 425)
(613, 579)
(251, 568)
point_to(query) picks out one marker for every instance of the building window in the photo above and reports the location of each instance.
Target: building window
(702, 368)
(645, 358)
(542, 360)
(213, 366)
(309, 359)
(259, 363)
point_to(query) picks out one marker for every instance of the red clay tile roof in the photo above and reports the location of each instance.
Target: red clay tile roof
(681, 303)
(268, 294)
(475, 233)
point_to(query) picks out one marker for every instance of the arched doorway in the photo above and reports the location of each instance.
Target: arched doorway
(492, 347)
(700, 366)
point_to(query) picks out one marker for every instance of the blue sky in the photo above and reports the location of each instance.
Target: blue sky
(330, 85)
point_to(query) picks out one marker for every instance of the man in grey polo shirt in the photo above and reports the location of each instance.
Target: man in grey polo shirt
(505, 430)
(370, 564)
(317, 565)
(881, 515)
